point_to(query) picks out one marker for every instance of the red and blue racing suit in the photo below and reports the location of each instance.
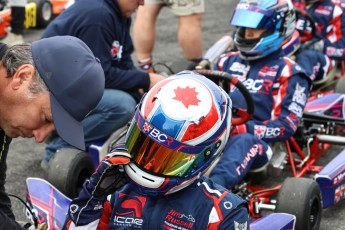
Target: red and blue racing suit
(201, 205)
(279, 88)
(329, 17)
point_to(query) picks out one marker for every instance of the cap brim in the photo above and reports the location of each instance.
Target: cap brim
(68, 128)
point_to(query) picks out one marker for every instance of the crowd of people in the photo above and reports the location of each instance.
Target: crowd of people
(177, 127)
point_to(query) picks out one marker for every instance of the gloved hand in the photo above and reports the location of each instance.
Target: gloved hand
(238, 129)
(108, 176)
(29, 226)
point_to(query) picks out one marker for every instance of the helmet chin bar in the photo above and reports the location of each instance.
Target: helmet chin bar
(143, 178)
(149, 181)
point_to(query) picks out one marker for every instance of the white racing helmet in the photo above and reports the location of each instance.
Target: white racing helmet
(179, 128)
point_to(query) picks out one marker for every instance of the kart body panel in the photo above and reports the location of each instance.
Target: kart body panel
(331, 180)
(332, 104)
(274, 221)
(49, 204)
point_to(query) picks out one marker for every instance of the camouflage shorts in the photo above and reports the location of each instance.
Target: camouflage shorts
(181, 7)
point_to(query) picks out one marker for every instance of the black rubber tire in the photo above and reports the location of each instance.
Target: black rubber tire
(44, 13)
(68, 170)
(302, 198)
(340, 86)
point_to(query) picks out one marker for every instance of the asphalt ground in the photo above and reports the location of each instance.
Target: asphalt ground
(25, 155)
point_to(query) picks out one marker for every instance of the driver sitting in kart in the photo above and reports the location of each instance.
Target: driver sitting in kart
(155, 179)
(278, 86)
(319, 54)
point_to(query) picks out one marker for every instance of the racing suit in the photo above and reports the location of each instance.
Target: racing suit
(330, 37)
(100, 24)
(201, 205)
(279, 88)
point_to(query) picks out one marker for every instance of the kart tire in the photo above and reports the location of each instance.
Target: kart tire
(301, 197)
(68, 170)
(340, 86)
(44, 13)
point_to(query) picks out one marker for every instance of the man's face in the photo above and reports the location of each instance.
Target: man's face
(23, 114)
(250, 33)
(128, 7)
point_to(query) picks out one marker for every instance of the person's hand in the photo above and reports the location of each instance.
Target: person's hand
(108, 176)
(42, 226)
(154, 78)
(238, 129)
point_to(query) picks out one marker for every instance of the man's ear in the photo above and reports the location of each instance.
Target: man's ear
(23, 75)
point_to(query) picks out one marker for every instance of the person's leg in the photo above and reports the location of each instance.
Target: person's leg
(144, 33)
(243, 152)
(115, 109)
(190, 36)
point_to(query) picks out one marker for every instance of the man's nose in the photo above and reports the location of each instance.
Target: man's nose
(42, 133)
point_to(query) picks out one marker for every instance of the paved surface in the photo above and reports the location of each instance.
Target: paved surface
(25, 155)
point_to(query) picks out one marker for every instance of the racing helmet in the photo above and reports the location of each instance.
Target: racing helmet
(277, 17)
(179, 128)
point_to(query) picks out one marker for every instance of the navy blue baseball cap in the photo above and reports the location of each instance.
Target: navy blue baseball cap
(75, 79)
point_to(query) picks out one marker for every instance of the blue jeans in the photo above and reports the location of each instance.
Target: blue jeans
(115, 109)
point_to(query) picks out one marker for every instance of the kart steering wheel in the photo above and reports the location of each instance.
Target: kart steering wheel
(224, 80)
(304, 34)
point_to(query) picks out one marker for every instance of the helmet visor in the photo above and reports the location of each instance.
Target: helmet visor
(153, 156)
(252, 17)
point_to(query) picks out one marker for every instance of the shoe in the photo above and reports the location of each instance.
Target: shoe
(13, 39)
(146, 65)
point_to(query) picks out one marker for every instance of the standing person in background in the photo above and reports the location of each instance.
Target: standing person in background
(104, 25)
(189, 34)
(15, 35)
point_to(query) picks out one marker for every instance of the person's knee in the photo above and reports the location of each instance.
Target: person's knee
(193, 22)
(121, 101)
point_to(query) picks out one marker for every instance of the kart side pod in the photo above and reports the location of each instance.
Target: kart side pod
(331, 180)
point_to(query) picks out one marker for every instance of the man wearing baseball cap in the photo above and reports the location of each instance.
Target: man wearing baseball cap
(53, 83)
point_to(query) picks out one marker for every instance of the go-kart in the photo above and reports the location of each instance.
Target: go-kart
(47, 204)
(38, 13)
(305, 187)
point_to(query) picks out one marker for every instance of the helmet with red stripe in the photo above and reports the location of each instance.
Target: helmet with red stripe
(179, 128)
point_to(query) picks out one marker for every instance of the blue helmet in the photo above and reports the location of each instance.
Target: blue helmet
(277, 17)
(180, 127)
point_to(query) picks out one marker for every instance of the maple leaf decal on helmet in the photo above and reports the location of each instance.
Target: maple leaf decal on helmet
(187, 96)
